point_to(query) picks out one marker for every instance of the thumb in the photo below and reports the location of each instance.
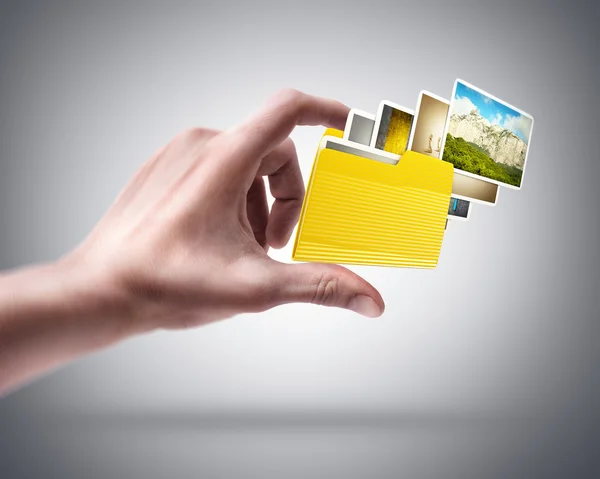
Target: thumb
(327, 285)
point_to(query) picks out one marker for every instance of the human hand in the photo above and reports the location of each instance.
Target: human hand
(186, 241)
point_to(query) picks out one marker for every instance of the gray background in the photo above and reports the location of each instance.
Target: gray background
(485, 367)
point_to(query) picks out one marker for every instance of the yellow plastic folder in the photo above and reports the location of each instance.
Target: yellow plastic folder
(363, 211)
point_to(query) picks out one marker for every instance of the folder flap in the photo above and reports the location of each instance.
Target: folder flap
(422, 171)
(413, 170)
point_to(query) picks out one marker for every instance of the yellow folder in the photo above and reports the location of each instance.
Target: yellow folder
(362, 211)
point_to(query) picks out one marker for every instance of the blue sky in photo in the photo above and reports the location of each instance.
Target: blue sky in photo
(466, 99)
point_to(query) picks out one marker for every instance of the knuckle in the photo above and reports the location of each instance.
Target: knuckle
(289, 148)
(297, 188)
(326, 290)
(192, 135)
(291, 170)
(288, 97)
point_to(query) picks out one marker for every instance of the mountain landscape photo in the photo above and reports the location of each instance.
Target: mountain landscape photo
(487, 138)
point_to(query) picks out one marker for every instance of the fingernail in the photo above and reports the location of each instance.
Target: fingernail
(364, 305)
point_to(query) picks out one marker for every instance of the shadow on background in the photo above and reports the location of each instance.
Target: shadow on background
(272, 420)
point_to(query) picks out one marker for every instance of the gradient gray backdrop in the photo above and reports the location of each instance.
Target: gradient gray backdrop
(483, 368)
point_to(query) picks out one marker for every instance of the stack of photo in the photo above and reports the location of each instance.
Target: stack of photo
(375, 190)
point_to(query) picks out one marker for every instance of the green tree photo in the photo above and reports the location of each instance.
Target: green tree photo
(474, 159)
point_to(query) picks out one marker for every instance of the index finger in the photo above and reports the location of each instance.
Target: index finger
(263, 131)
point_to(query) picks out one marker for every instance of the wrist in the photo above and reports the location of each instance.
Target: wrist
(95, 296)
(55, 312)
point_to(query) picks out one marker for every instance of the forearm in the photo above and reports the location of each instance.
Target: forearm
(52, 313)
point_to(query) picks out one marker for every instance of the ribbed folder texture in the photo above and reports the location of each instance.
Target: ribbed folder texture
(361, 211)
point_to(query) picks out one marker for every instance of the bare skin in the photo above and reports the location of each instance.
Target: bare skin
(183, 245)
